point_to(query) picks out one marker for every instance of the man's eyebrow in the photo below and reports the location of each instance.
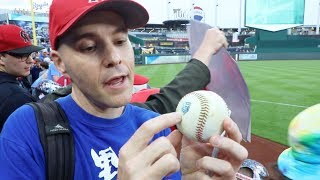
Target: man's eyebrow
(79, 36)
(121, 29)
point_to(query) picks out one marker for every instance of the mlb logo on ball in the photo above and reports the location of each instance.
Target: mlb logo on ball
(198, 13)
(185, 107)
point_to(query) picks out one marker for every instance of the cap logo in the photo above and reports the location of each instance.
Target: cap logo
(24, 36)
(95, 1)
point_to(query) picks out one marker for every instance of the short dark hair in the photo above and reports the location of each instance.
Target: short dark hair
(44, 64)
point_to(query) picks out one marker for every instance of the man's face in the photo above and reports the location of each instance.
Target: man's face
(16, 64)
(96, 53)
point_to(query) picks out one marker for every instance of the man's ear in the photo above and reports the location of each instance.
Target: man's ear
(56, 58)
(2, 59)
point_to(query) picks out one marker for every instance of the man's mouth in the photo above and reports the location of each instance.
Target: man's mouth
(116, 81)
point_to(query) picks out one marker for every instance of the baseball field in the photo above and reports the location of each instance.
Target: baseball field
(279, 90)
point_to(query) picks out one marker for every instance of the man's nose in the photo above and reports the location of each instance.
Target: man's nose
(112, 57)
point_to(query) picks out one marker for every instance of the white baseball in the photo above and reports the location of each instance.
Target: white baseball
(203, 113)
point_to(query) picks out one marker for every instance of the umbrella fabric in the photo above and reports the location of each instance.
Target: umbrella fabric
(226, 80)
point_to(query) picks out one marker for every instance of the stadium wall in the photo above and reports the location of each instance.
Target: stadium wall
(289, 56)
(280, 42)
(167, 59)
(161, 59)
(278, 56)
(164, 59)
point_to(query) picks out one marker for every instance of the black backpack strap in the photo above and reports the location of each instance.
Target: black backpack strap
(56, 139)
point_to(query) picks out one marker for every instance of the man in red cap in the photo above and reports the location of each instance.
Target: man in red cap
(113, 139)
(139, 83)
(15, 61)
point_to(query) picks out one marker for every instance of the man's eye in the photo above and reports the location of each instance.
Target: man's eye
(89, 48)
(121, 42)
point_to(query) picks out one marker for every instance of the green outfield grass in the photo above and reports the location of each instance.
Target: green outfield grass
(279, 90)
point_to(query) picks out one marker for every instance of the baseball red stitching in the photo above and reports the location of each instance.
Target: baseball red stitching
(204, 111)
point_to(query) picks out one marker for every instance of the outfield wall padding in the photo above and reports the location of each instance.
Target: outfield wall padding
(289, 56)
(277, 56)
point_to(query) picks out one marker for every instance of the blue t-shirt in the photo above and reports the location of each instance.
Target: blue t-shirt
(97, 142)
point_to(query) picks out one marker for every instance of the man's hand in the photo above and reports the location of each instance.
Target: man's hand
(213, 40)
(196, 161)
(140, 160)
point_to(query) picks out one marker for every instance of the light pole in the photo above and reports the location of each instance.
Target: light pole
(33, 24)
(216, 14)
(318, 18)
(169, 9)
(240, 17)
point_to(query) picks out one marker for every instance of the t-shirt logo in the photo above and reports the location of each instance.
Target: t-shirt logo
(24, 36)
(108, 161)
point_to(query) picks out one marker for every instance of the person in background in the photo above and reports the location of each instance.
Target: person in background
(53, 74)
(91, 46)
(25, 82)
(140, 83)
(15, 62)
(47, 60)
(43, 54)
(44, 67)
(36, 92)
(35, 70)
(141, 89)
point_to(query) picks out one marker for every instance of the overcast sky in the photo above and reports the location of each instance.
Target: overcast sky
(11, 4)
(158, 9)
(228, 11)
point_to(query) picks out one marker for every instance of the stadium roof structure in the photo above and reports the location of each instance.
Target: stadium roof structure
(148, 28)
(176, 24)
(158, 26)
(136, 40)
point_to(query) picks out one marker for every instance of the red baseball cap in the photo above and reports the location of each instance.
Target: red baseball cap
(15, 40)
(65, 13)
(139, 79)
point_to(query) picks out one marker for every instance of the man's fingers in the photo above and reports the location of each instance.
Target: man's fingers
(225, 44)
(235, 151)
(216, 166)
(221, 39)
(202, 176)
(175, 137)
(156, 150)
(232, 130)
(166, 165)
(224, 41)
(160, 147)
(140, 139)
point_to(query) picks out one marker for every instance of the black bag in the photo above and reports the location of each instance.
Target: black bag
(56, 140)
